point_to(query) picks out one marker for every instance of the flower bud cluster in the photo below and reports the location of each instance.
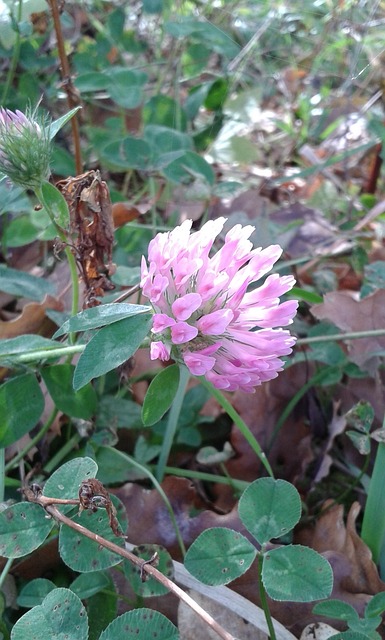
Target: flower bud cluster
(25, 148)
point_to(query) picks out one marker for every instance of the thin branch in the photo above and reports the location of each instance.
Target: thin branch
(48, 504)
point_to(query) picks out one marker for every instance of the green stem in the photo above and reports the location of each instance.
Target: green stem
(5, 571)
(352, 335)
(318, 377)
(373, 524)
(242, 426)
(69, 255)
(240, 485)
(62, 453)
(263, 597)
(15, 57)
(44, 354)
(172, 422)
(2, 474)
(32, 442)
(145, 470)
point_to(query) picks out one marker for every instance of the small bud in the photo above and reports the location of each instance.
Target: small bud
(25, 148)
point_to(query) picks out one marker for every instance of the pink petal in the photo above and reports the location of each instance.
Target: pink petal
(182, 332)
(161, 321)
(185, 306)
(215, 323)
(197, 363)
(158, 350)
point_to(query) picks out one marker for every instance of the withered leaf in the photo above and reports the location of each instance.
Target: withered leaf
(350, 314)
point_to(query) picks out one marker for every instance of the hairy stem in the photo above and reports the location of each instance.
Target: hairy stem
(69, 255)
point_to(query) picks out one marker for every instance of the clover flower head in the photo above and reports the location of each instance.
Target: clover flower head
(25, 148)
(208, 315)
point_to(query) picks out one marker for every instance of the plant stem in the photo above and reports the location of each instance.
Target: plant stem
(373, 525)
(147, 568)
(352, 335)
(172, 422)
(15, 57)
(32, 442)
(263, 597)
(144, 469)
(43, 354)
(67, 83)
(241, 485)
(242, 426)
(5, 571)
(318, 377)
(62, 453)
(2, 474)
(69, 255)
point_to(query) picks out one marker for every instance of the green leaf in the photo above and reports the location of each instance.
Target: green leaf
(375, 606)
(297, 574)
(60, 616)
(114, 467)
(55, 203)
(77, 404)
(65, 482)
(91, 81)
(19, 232)
(125, 86)
(153, 6)
(56, 125)
(360, 440)
(219, 555)
(166, 144)
(18, 283)
(110, 347)
(360, 417)
(102, 608)
(140, 624)
(129, 153)
(350, 635)
(84, 555)
(25, 344)
(189, 166)
(88, 584)
(336, 609)
(149, 587)
(34, 592)
(21, 405)
(23, 528)
(269, 508)
(100, 316)
(160, 395)
(118, 413)
(166, 112)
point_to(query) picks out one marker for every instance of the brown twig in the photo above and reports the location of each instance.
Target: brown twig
(49, 505)
(67, 83)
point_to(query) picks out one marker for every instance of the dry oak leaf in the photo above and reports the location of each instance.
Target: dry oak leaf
(349, 314)
(356, 577)
(31, 320)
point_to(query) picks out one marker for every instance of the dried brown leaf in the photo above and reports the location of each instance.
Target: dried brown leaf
(349, 314)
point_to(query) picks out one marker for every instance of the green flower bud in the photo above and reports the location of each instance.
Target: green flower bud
(25, 148)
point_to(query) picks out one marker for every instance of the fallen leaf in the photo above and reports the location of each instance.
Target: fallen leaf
(349, 314)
